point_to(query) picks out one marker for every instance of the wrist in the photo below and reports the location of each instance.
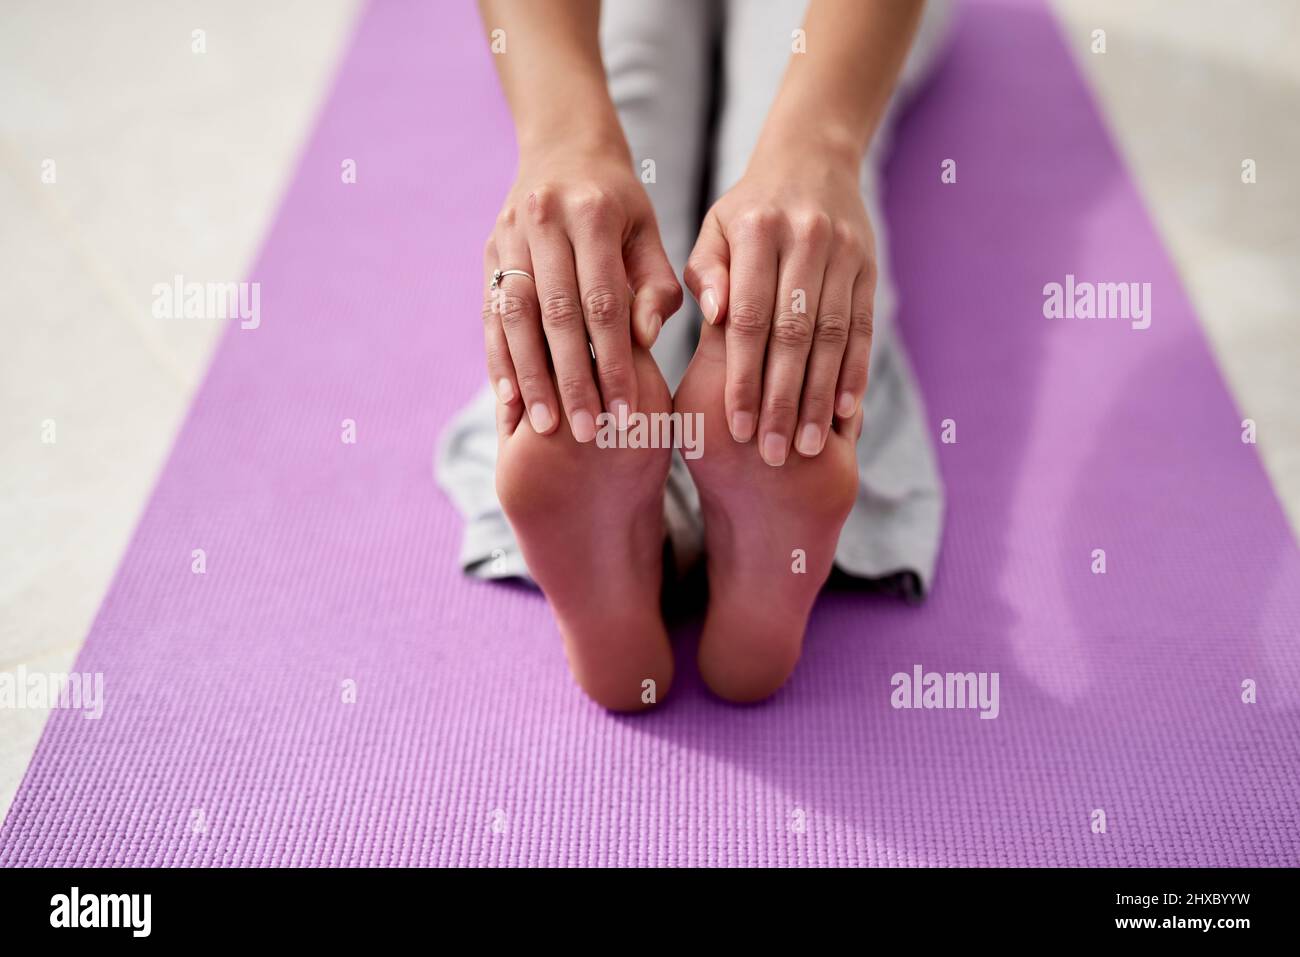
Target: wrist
(576, 152)
(787, 151)
(788, 143)
(592, 132)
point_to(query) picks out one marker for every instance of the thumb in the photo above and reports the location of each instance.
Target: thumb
(708, 269)
(656, 294)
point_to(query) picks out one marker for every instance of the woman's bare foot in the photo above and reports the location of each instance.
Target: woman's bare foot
(770, 535)
(590, 523)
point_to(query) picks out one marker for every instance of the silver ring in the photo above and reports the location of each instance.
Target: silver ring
(499, 274)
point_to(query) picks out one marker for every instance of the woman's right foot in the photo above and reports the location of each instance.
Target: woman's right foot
(589, 521)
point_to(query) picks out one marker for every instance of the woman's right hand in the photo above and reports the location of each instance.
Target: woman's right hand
(580, 222)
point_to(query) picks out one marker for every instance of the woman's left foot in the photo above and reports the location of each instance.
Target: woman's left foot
(770, 535)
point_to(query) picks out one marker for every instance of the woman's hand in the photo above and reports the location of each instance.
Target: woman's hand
(579, 221)
(787, 259)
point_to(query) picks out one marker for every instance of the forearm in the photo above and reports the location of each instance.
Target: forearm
(834, 94)
(552, 74)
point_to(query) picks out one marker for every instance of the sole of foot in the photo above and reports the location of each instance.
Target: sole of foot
(589, 520)
(770, 536)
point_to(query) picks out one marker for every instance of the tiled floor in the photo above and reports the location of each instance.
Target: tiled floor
(1190, 90)
(168, 161)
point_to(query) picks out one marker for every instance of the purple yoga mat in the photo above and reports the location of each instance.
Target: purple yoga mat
(225, 738)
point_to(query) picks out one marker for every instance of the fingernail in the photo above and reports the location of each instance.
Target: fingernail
(847, 405)
(773, 449)
(655, 323)
(810, 440)
(742, 426)
(540, 416)
(584, 426)
(709, 303)
(620, 410)
(505, 391)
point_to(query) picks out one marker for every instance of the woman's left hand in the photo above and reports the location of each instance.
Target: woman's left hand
(786, 259)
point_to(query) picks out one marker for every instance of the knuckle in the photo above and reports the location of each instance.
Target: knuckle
(792, 329)
(748, 318)
(515, 311)
(819, 403)
(496, 358)
(613, 372)
(693, 273)
(532, 381)
(863, 323)
(561, 311)
(506, 218)
(812, 228)
(667, 294)
(573, 389)
(670, 296)
(759, 223)
(604, 308)
(780, 405)
(741, 394)
(833, 327)
(593, 208)
(846, 239)
(854, 373)
(541, 204)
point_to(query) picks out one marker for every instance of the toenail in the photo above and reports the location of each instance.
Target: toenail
(774, 447)
(742, 426)
(847, 405)
(540, 416)
(810, 440)
(584, 426)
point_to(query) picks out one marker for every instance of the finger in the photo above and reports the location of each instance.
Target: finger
(562, 319)
(857, 353)
(602, 281)
(830, 335)
(802, 271)
(656, 294)
(501, 371)
(707, 270)
(508, 418)
(750, 300)
(852, 426)
(523, 327)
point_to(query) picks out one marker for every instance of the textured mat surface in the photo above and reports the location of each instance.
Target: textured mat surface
(226, 738)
